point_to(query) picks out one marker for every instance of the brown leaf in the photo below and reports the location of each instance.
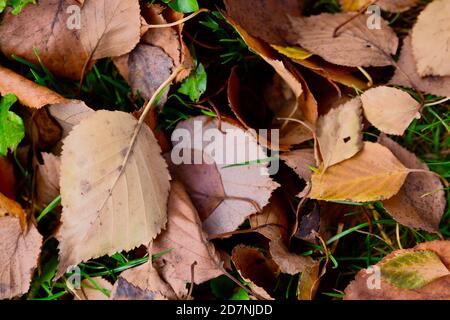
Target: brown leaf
(266, 19)
(47, 179)
(110, 205)
(354, 46)
(406, 74)
(430, 39)
(69, 114)
(373, 174)
(308, 283)
(245, 187)
(339, 133)
(186, 243)
(8, 180)
(390, 110)
(43, 27)
(142, 283)
(425, 265)
(96, 288)
(255, 268)
(289, 262)
(273, 221)
(19, 250)
(300, 161)
(29, 93)
(421, 201)
(387, 5)
(109, 28)
(49, 132)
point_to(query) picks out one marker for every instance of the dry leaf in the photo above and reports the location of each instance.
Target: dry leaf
(373, 174)
(110, 28)
(390, 110)
(300, 161)
(28, 93)
(8, 180)
(406, 74)
(308, 283)
(49, 133)
(94, 289)
(431, 38)
(43, 28)
(289, 262)
(69, 114)
(186, 241)
(19, 250)
(244, 187)
(354, 46)
(255, 268)
(109, 205)
(47, 179)
(266, 19)
(421, 201)
(420, 273)
(339, 133)
(387, 5)
(142, 283)
(273, 221)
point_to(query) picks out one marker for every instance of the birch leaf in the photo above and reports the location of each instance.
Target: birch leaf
(373, 174)
(390, 110)
(110, 204)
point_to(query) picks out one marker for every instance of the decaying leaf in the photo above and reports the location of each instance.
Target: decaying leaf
(186, 243)
(41, 32)
(391, 110)
(20, 247)
(246, 187)
(255, 268)
(47, 179)
(421, 201)
(266, 19)
(69, 114)
(308, 283)
(289, 262)
(406, 74)
(420, 273)
(355, 45)
(300, 161)
(109, 28)
(273, 221)
(142, 283)
(431, 38)
(94, 289)
(387, 5)
(8, 180)
(27, 92)
(373, 174)
(339, 133)
(110, 205)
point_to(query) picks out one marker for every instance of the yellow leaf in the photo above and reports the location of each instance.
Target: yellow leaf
(373, 174)
(293, 52)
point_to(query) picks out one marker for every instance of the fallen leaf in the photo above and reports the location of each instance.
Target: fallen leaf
(386, 5)
(266, 19)
(47, 179)
(110, 205)
(186, 242)
(421, 201)
(309, 224)
(245, 187)
(27, 92)
(354, 46)
(289, 262)
(308, 283)
(420, 273)
(12, 129)
(8, 181)
(69, 114)
(273, 221)
(300, 161)
(430, 38)
(57, 46)
(372, 174)
(49, 133)
(339, 133)
(19, 250)
(255, 268)
(142, 283)
(406, 74)
(390, 110)
(110, 28)
(96, 288)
